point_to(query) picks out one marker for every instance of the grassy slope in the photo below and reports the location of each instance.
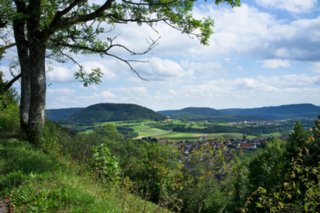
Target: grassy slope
(39, 182)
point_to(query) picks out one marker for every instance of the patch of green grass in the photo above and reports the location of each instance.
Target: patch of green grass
(146, 131)
(274, 134)
(36, 181)
(225, 135)
(20, 156)
(181, 136)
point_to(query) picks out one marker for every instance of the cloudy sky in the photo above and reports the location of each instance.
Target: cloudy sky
(266, 52)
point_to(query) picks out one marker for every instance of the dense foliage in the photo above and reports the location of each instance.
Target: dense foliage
(293, 184)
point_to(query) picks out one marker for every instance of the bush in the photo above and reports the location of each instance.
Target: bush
(104, 164)
(155, 171)
(9, 114)
(56, 139)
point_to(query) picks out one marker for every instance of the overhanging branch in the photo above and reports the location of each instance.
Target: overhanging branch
(10, 83)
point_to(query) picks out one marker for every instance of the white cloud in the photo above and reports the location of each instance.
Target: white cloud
(246, 31)
(105, 95)
(207, 66)
(64, 91)
(59, 74)
(316, 67)
(294, 6)
(275, 63)
(250, 92)
(238, 31)
(108, 74)
(134, 91)
(157, 69)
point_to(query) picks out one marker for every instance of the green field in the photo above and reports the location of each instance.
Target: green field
(146, 131)
(163, 130)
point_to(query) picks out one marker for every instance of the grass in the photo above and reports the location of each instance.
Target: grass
(36, 181)
(272, 135)
(145, 131)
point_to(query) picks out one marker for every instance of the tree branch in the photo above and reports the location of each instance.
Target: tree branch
(84, 18)
(10, 83)
(8, 46)
(61, 23)
(59, 14)
(129, 65)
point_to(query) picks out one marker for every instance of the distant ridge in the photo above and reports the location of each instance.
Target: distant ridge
(280, 112)
(192, 113)
(60, 114)
(290, 111)
(105, 112)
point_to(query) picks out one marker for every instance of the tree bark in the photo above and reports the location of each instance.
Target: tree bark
(23, 54)
(31, 51)
(38, 91)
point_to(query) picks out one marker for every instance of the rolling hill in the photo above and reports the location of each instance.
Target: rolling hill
(278, 112)
(60, 114)
(291, 111)
(192, 113)
(105, 112)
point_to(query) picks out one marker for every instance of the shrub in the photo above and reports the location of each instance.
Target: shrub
(104, 164)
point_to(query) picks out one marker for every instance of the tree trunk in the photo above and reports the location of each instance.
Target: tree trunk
(38, 90)
(23, 54)
(25, 97)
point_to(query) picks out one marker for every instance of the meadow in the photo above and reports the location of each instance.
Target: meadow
(176, 130)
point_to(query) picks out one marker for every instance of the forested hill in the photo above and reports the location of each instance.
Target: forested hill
(122, 112)
(291, 111)
(279, 112)
(192, 113)
(104, 112)
(60, 114)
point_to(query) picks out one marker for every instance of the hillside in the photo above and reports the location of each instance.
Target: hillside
(292, 111)
(60, 114)
(105, 112)
(278, 112)
(34, 179)
(192, 113)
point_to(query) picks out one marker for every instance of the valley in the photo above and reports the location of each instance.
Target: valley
(191, 123)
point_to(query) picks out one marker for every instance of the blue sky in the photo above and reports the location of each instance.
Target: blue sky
(266, 52)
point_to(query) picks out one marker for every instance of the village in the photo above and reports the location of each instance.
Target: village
(244, 144)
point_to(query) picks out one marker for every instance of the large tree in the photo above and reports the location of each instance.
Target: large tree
(55, 28)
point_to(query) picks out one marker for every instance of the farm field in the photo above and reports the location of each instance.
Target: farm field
(174, 130)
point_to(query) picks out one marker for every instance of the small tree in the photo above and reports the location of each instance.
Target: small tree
(104, 164)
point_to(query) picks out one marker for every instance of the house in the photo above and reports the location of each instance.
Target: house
(247, 146)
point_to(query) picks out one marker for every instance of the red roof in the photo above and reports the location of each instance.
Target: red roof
(245, 146)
